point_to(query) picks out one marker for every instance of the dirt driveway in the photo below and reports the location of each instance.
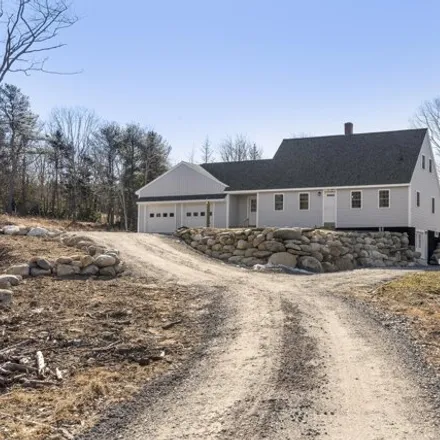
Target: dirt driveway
(290, 360)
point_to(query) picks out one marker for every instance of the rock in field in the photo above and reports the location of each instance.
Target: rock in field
(11, 230)
(19, 269)
(38, 272)
(5, 298)
(64, 260)
(107, 271)
(65, 270)
(105, 260)
(90, 270)
(42, 263)
(14, 280)
(87, 260)
(283, 259)
(310, 264)
(38, 232)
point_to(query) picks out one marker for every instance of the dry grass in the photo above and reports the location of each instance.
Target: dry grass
(67, 225)
(417, 297)
(106, 336)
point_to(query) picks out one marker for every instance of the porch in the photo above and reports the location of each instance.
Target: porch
(242, 210)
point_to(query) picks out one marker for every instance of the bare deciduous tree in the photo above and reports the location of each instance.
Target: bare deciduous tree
(206, 151)
(239, 149)
(30, 31)
(428, 115)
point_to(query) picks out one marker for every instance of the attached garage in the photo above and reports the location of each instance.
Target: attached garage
(160, 218)
(194, 215)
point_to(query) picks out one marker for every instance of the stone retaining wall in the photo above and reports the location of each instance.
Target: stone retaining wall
(314, 250)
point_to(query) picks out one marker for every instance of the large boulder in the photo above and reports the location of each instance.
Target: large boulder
(288, 234)
(64, 260)
(273, 246)
(87, 260)
(5, 298)
(65, 270)
(11, 230)
(105, 260)
(90, 270)
(38, 232)
(282, 259)
(310, 264)
(242, 245)
(38, 272)
(14, 280)
(108, 271)
(19, 269)
(42, 263)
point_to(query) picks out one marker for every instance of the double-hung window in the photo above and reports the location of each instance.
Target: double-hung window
(279, 202)
(423, 161)
(304, 201)
(384, 198)
(356, 199)
(430, 165)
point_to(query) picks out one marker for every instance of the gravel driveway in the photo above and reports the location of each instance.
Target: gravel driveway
(288, 359)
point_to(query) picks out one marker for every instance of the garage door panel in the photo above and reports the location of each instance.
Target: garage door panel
(194, 215)
(161, 218)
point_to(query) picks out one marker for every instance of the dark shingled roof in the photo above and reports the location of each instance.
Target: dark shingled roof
(190, 197)
(383, 158)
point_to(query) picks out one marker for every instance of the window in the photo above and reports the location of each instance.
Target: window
(195, 214)
(430, 165)
(418, 199)
(423, 161)
(158, 214)
(151, 215)
(433, 205)
(171, 214)
(304, 201)
(384, 198)
(165, 214)
(188, 214)
(279, 202)
(253, 205)
(202, 214)
(356, 199)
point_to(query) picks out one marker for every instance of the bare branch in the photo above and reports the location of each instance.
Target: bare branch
(30, 27)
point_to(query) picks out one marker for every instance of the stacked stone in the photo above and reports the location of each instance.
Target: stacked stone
(309, 249)
(98, 261)
(30, 231)
(6, 295)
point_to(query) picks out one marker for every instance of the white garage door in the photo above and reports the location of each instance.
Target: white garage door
(194, 215)
(161, 218)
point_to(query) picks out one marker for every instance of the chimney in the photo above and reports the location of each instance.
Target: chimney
(348, 128)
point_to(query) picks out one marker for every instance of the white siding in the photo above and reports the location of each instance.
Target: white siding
(184, 179)
(219, 210)
(370, 215)
(427, 184)
(238, 210)
(291, 215)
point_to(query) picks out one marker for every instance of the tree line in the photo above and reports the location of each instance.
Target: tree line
(74, 166)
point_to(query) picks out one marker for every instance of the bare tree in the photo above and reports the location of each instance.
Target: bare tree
(239, 149)
(30, 28)
(206, 151)
(428, 116)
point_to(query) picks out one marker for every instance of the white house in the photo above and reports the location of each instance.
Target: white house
(385, 180)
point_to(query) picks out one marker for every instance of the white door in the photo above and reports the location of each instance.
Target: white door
(252, 211)
(194, 215)
(329, 209)
(161, 218)
(422, 244)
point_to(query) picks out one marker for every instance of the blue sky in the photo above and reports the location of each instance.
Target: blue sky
(266, 69)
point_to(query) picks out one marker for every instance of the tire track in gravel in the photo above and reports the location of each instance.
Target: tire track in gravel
(290, 361)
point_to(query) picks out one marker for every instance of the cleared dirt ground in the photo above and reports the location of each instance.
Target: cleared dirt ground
(291, 359)
(107, 337)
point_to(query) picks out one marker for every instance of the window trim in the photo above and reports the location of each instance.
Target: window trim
(351, 198)
(433, 207)
(274, 204)
(308, 201)
(423, 162)
(389, 199)
(418, 199)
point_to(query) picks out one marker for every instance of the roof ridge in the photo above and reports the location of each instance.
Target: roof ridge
(355, 134)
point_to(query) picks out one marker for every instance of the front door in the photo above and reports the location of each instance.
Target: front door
(421, 244)
(252, 211)
(329, 209)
